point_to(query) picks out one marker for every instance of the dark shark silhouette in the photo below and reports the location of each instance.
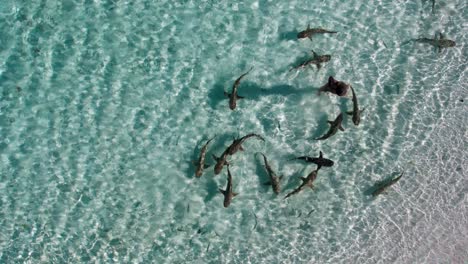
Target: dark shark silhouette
(233, 96)
(306, 182)
(228, 193)
(317, 60)
(383, 186)
(201, 160)
(309, 32)
(438, 42)
(335, 87)
(237, 143)
(320, 161)
(356, 113)
(274, 180)
(235, 146)
(334, 126)
(220, 162)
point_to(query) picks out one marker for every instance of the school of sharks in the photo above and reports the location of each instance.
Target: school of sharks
(332, 86)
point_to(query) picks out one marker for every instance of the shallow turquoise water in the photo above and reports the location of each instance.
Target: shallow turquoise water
(105, 103)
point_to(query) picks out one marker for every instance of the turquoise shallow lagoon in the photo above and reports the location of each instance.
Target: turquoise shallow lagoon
(104, 104)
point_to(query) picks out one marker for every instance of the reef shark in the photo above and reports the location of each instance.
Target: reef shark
(334, 126)
(356, 113)
(320, 161)
(309, 32)
(235, 146)
(381, 188)
(228, 193)
(274, 180)
(438, 42)
(317, 60)
(201, 160)
(306, 182)
(233, 96)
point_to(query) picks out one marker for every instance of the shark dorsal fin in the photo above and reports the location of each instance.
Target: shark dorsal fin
(222, 191)
(308, 26)
(321, 154)
(441, 36)
(314, 53)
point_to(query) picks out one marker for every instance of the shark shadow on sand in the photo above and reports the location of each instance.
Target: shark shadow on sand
(288, 35)
(212, 189)
(253, 91)
(322, 127)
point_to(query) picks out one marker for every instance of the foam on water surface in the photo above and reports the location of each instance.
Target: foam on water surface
(104, 104)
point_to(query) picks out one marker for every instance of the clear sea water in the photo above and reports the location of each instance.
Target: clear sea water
(104, 104)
